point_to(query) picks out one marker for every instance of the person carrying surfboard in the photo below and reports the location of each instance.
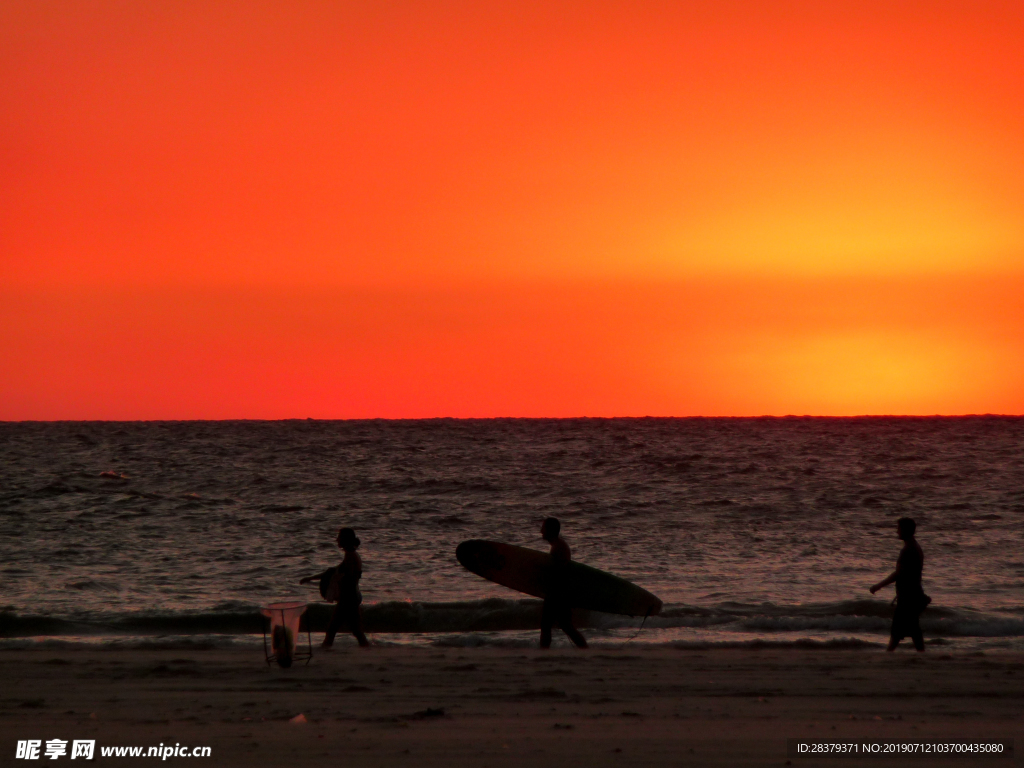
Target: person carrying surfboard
(556, 607)
(342, 584)
(910, 597)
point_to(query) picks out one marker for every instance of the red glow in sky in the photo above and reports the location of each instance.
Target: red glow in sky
(508, 209)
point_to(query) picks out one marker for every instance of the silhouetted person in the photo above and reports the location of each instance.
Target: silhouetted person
(556, 605)
(344, 587)
(910, 597)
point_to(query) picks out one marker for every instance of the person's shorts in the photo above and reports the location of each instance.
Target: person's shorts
(906, 618)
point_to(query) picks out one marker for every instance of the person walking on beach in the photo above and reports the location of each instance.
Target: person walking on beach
(556, 605)
(344, 587)
(910, 597)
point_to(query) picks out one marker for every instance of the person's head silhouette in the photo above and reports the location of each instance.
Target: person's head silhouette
(550, 528)
(348, 540)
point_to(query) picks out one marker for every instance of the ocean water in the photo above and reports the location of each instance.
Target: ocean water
(752, 531)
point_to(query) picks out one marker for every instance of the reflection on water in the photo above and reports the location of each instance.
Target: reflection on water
(215, 518)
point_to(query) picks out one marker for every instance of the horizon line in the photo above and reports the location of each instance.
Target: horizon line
(862, 417)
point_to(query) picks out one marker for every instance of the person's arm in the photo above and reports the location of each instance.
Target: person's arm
(886, 581)
(308, 579)
(892, 576)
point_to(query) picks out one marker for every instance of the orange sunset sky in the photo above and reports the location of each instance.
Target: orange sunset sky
(414, 209)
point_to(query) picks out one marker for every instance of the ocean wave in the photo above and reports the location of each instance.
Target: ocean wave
(192, 514)
(860, 617)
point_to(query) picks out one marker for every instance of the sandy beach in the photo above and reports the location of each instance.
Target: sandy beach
(491, 707)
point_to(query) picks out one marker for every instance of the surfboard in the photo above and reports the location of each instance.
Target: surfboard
(527, 570)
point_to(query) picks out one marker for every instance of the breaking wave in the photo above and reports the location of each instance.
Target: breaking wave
(765, 620)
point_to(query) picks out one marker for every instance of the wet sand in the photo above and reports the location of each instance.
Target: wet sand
(501, 707)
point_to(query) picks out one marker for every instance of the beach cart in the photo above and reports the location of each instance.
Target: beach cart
(285, 619)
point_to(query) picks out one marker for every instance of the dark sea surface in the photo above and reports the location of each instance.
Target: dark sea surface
(752, 531)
